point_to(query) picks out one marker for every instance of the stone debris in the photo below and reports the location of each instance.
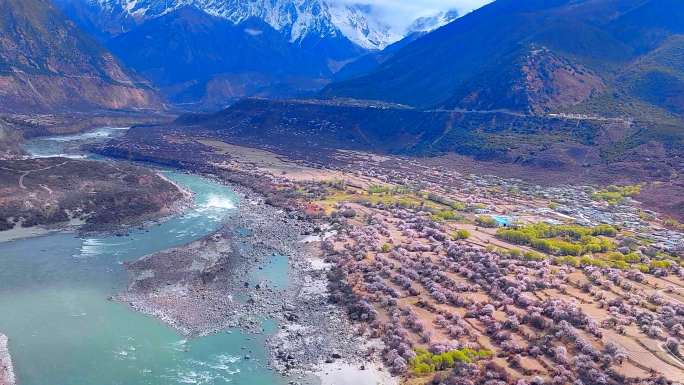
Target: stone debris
(206, 287)
(6, 369)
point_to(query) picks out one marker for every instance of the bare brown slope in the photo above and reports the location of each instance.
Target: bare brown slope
(48, 64)
(53, 191)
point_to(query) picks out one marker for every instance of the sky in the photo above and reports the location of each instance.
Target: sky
(399, 14)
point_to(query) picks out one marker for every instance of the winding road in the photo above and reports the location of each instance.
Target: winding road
(24, 174)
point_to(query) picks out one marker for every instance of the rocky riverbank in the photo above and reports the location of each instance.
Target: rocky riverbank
(6, 369)
(220, 282)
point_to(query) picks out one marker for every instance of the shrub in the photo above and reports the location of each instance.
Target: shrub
(589, 261)
(606, 230)
(622, 265)
(378, 189)
(460, 234)
(348, 213)
(570, 261)
(486, 221)
(532, 256)
(661, 264)
(445, 215)
(620, 259)
(422, 368)
(456, 205)
(425, 362)
(673, 224)
(517, 237)
(616, 194)
(567, 248)
(460, 206)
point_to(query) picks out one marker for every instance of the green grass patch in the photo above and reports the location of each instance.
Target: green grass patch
(613, 259)
(561, 240)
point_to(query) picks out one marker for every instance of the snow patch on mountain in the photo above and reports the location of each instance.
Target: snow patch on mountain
(430, 23)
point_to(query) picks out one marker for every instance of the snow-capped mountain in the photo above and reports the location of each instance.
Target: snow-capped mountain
(358, 25)
(429, 23)
(298, 19)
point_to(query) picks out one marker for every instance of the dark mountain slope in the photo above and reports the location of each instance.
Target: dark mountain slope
(532, 79)
(426, 71)
(314, 127)
(48, 64)
(369, 62)
(231, 40)
(482, 60)
(195, 57)
(101, 23)
(647, 26)
(658, 77)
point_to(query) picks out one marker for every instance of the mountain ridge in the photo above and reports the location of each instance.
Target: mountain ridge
(49, 64)
(442, 68)
(299, 20)
(206, 69)
(509, 82)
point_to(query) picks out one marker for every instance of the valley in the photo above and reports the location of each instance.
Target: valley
(406, 231)
(541, 149)
(328, 192)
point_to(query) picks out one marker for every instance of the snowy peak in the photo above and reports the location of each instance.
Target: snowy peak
(429, 23)
(299, 19)
(358, 25)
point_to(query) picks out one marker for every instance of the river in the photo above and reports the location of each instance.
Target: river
(64, 331)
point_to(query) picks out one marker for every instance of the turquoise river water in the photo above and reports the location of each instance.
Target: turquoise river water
(64, 331)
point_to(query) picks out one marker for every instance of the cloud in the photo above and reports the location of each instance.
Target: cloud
(401, 13)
